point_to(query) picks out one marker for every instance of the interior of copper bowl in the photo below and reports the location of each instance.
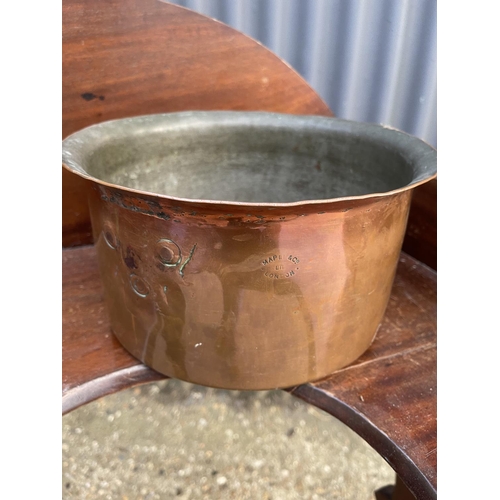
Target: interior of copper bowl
(252, 162)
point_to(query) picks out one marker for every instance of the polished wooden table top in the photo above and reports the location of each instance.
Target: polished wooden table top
(388, 396)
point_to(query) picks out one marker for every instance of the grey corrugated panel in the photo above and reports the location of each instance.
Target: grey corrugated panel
(370, 60)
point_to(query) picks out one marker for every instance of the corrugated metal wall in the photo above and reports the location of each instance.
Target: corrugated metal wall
(370, 60)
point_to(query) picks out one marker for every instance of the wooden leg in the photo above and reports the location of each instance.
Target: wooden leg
(397, 491)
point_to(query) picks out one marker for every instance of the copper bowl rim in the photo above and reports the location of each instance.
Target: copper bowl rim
(425, 159)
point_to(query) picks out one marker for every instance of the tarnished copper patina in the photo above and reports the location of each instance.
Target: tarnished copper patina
(247, 250)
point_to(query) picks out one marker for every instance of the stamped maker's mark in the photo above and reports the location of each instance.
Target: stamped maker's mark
(280, 266)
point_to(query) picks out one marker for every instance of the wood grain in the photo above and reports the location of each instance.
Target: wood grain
(388, 396)
(126, 58)
(421, 233)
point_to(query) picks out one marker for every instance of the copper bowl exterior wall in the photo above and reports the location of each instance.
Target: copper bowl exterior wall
(245, 295)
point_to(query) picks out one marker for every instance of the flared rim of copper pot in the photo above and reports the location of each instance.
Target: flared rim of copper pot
(414, 151)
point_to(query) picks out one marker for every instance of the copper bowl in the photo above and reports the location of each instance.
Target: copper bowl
(247, 250)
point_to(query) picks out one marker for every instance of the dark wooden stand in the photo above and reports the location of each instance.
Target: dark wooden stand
(125, 58)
